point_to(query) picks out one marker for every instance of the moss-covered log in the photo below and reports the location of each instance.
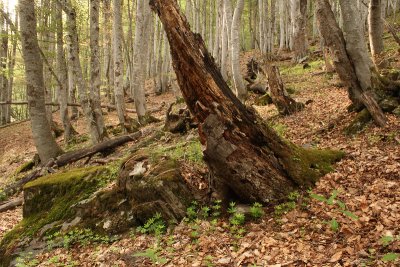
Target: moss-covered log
(245, 155)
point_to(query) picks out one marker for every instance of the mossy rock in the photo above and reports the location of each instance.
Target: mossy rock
(389, 104)
(358, 124)
(49, 200)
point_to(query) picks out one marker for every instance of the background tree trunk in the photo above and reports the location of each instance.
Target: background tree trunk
(344, 63)
(240, 89)
(299, 26)
(244, 154)
(44, 140)
(375, 23)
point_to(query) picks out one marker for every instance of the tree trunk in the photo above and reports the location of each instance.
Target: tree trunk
(95, 78)
(244, 154)
(4, 94)
(344, 62)
(375, 23)
(142, 18)
(44, 140)
(69, 131)
(299, 26)
(97, 133)
(240, 89)
(284, 103)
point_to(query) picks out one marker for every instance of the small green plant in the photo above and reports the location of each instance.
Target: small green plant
(288, 206)
(3, 196)
(153, 254)
(26, 260)
(205, 212)
(232, 208)
(155, 225)
(386, 241)
(216, 208)
(208, 261)
(57, 261)
(334, 225)
(192, 211)
(82, 237)
(256, 211)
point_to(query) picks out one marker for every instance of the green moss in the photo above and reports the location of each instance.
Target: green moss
(49, 199)
(190, 151)
(25, 167)
(298, 69)
(306, 166)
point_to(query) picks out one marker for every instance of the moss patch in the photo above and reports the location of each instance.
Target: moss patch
(306, 166)
(49, 199)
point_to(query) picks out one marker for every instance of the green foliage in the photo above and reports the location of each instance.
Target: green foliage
(390, 257)
(256, 211)
(57, 261)
(3, 196)
(153, 254)
(288, 206)
(77, 142)
(334, 225)
(386, 240)
(280, 129)
(208, 261)
(188, 151)
(155, 225)
(81, 237)
(216, 208)
(27, 260)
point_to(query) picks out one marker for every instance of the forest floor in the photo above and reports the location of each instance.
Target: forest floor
(305, 231)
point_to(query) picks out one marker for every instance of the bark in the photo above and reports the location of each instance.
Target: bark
(95, 78)
(299, 25)
(280, 97)
(69, 131)
(118, 63)
(11, 67)
(375, 23)
(240, 89)
(244, 154)
(4, 93)
(97, 133)
(142, 18)
(344, 63)
(11, 204)
(44, 141)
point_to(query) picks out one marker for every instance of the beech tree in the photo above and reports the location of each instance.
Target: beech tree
(375, 23)
(43, 138)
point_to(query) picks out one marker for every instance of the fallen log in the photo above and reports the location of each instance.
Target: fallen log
(11, 204)
(69, 158)
(73, 156)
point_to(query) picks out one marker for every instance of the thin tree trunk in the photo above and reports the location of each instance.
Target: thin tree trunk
(95, 72)
(299, 25)
(375, 23)
(69, 131)
(44, 140)
(240, 89)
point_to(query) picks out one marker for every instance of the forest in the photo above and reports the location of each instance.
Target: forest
(199, 133)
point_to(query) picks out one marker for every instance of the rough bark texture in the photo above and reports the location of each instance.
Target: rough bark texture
(344, 64)
(44, 140)
(240, 89)
(118, 62)
(69, 131)
(245, 155)
(285, 104)
(299, 25)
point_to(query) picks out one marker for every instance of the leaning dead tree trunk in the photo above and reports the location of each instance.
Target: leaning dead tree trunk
(248, 159)
(334, 39)
(283, 102)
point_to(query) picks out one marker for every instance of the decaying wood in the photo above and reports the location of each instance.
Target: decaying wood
(392, 31)
(69, 158)
(284, 103)
(248, 159)
(11, 204)
(73, 156)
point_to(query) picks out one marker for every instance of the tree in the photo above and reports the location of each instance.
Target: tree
(247, 158)
(299, 28)
(69, 131)
(97, 131)
(44, 140)
(118, 62)
(375, 23)
(240, 89)
(351, 62)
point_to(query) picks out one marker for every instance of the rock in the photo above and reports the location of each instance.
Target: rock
(389, 104)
